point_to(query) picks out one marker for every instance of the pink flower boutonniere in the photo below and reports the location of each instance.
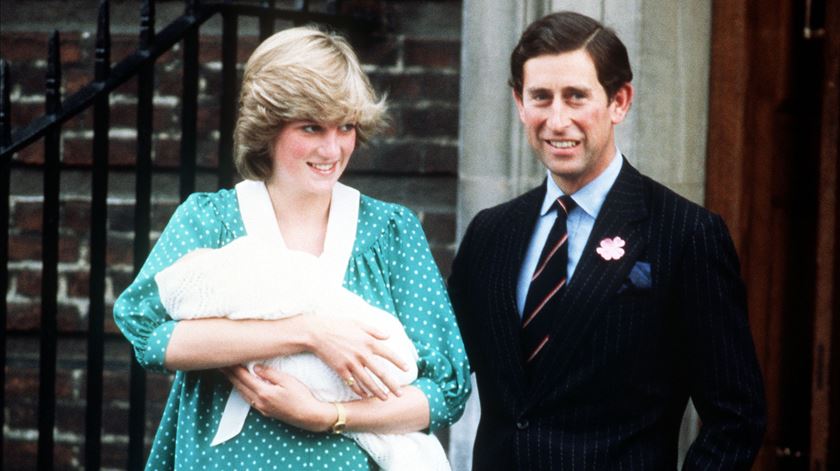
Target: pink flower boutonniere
(611, 249)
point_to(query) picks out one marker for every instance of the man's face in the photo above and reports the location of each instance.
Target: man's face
(567, 116)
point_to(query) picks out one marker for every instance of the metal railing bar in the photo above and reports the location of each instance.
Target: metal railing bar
(49, 271)
(122, 72)
(189, 111)
(266, 21)
(228, 100)
(115, 167)
(127, 68)
(98, 247)
(142, 207)
(5, 190)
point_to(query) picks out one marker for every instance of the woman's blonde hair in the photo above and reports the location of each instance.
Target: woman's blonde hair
(300, 74)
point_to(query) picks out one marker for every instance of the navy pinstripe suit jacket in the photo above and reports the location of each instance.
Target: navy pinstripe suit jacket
(609, 390)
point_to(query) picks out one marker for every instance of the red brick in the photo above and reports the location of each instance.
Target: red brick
(431, 122)
(378, 50)
(27, 216)
(207, 150)
(110, 325)
(443, 257)
(121, 217)
(408, 88)
(161, 213)
(21, 382)
(122, 152)
(75, 78)
(120, 252)
(78, 284)
(28, 247)
(28, 283)
(122, 45)
(31, 154)
(23, 46)
(19, 454)
(23, 317)
(70, 48)
(77, 151)
(123, 115)
(120, 281)
(69, 319)
(207, 117)
(26, 317)
(24, 247)
(439, 227)
(157, 387)
(246, 46)
(75, 217)
(209, 49)
(432, 53)
(440, 159)
(70, 418)
(25, 113)
(167, 153)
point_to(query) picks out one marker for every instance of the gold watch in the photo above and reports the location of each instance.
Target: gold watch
(338, 426)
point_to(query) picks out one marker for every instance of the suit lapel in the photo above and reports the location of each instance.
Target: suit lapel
(595, 279)
(504, 319)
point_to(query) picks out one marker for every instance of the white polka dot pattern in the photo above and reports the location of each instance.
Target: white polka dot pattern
(391, 268)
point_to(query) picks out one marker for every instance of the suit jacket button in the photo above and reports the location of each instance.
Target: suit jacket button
(522, 424)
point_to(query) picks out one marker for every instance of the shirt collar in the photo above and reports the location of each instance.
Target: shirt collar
(591, 197)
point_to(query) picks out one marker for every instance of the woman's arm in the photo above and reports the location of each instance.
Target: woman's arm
(283, 397)
(345, 345)
(213, 343)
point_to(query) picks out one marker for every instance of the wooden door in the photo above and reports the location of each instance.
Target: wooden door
(771, 172)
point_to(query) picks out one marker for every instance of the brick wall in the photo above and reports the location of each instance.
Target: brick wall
(415, 60)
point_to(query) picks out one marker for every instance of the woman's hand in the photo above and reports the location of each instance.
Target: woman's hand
(348, 346)
(283, 397)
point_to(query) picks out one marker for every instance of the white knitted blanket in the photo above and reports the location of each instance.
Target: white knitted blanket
(250, 279)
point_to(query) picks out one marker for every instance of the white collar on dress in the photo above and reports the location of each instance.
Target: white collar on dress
(259, 220)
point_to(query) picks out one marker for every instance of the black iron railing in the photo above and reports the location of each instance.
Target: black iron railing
(95, 96)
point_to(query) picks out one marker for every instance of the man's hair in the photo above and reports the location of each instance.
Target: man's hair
(300, 74)
(567, 31)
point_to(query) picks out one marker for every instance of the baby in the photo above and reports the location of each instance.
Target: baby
(251, 279)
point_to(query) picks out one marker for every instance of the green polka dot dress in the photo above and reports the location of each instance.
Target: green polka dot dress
(391, 267)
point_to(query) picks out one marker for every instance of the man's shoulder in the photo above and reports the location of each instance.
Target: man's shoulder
(504, 211)
(667, 203)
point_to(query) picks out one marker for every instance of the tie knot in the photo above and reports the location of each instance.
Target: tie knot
(566, 204)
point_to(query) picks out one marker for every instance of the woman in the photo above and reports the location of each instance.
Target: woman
(304, 105)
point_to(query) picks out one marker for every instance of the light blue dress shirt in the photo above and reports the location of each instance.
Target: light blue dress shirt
(579, 223)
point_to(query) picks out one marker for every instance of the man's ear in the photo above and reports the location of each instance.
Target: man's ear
(520, 107)
(620, 104)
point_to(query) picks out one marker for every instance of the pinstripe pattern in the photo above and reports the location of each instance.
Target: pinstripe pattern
(623, 359)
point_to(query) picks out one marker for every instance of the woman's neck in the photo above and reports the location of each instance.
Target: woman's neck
(302, 218)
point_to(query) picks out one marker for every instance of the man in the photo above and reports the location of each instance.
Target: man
(595, 305)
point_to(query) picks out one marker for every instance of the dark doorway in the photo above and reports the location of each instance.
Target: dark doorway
(772, 174)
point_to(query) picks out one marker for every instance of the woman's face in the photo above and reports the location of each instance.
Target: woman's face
(310, 157)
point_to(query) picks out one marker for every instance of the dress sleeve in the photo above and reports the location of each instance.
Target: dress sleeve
(138, 311)
(423, 307)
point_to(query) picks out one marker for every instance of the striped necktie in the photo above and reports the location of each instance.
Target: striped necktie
(546, 284)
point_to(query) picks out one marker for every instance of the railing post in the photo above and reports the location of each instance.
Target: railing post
(189, 109)
(5, 174)
(228, 108)
(98, 246)
(142, 207)
(266, 21)
(49, 270)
